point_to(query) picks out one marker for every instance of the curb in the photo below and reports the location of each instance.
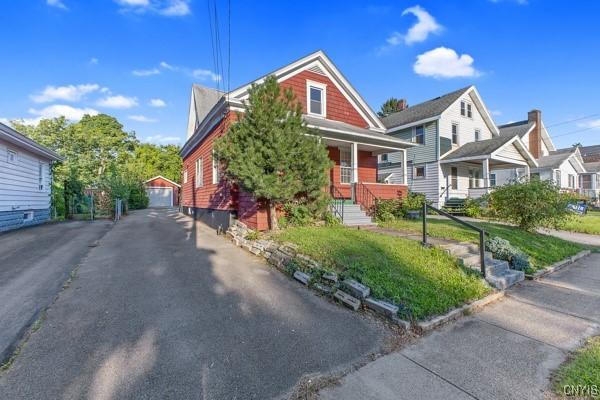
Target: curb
(431, 324)
(557, 266)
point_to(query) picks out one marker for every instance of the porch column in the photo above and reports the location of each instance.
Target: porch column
(486, 173)
(354, 155)
(404, 168)
(527, 173)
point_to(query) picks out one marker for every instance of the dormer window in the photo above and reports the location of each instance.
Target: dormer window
(316, 97)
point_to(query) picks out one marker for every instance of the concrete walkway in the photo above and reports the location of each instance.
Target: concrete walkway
(507, 351)
(581, 238)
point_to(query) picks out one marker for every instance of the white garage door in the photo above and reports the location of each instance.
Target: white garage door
(160, 197)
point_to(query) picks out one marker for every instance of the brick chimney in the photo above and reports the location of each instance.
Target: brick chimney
(535, 137)
(402, 104)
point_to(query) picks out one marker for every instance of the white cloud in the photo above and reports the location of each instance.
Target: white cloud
(146, 72)
(166, 65)
(118, 102)
(66, 93)
(168, 8)
(158, 103)
(592, 124)
(425, 25)
(162, 139)
(496, 113)
(57, 4)
(58, 110)
(142, 118)
(204, 74)
(445, 63)
(93, 61)
(519, 2)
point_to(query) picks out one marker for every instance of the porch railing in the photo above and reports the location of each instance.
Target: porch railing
(363, 196)
(476, 192)
(337, 202)
(481, 232)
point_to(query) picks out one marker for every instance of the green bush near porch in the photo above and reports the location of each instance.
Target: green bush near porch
(425, 282)
(543, 250)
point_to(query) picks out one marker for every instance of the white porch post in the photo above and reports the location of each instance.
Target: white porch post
(354, 155)
(404, 168)
(486, 173)
(528, 172)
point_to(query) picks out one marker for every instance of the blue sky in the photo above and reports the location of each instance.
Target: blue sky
(137, 59)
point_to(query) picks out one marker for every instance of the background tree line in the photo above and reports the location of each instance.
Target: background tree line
(98, 153)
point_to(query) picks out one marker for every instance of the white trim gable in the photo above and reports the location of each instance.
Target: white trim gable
(318, 61)
(323, 87)
(481, 108)
(518, 143)
(162, 177)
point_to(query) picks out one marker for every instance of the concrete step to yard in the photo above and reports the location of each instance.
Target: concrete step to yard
(506, 279)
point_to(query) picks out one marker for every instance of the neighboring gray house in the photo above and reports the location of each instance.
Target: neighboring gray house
(25, 180)
(459, 148)
(563, 166)
(589, 184)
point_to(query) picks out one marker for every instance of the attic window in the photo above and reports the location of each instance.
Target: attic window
(463, 108)
(469, 111)
(315, 98)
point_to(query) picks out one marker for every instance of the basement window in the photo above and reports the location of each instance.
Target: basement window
(28, 216)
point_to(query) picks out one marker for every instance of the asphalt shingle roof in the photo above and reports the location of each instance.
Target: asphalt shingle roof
(516, 128)
(589, 150)
(330, 124)
(428, 109)
(592, 166)
(480, 148)
(555, 158)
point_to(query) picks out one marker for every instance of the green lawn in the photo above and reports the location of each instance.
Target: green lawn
(583, 369)
(543, 250)
(589, 223)
(425, 282)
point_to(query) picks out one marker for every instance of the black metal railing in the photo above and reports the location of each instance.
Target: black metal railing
(482, 233)
(364, 197)
(337, 202)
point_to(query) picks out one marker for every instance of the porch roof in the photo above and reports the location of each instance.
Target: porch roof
(341, 131)
(496, 148)
(592, 167)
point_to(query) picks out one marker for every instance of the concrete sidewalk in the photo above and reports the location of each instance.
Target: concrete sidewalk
(581, 238)
(507, 351)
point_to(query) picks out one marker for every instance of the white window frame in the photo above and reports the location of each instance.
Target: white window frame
(323, 88)
(477, 134)
(28, 216)
(457, 134)
(558, 177)
(414, 134)
(9, 159)
(493, 180)
(216, 173)
(199, 173)
(463, 108)
(571, 179)
(346, 170)
(185, 175)
(415, 167)
(470, 110)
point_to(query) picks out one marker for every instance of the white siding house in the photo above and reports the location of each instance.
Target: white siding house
(25, 180)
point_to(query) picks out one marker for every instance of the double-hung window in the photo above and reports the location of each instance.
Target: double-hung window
(454, 133)
(216, 170)
(492, 180)
(316, 98)
(345, 166)
(558, 178)
(477, 135)
(199, 180)
(185, 175)
(571, 181)
(41, 176)
(454, 178)
(419, 172)
(419, 136)
(469, 111)
(463, 108)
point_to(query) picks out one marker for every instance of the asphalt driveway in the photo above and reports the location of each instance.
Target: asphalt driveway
(163, 308)
(34, 264)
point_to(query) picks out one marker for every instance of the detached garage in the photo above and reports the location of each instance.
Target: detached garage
(162, 192)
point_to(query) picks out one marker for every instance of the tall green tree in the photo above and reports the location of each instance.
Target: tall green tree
(149, 160)
(271, 153)
(390, 106)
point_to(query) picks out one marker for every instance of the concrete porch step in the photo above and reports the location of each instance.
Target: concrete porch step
(506, 279)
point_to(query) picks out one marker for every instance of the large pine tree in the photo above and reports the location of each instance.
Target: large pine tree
(271, 153)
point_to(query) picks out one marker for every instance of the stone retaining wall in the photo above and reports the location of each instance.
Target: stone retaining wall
(311, 273)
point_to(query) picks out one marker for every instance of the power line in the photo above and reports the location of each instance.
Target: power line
(228, 48)
(573, 120)
(212, 41)
(573, 132)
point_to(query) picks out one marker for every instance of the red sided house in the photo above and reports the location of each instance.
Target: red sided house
(162, 192)
(353, 133)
